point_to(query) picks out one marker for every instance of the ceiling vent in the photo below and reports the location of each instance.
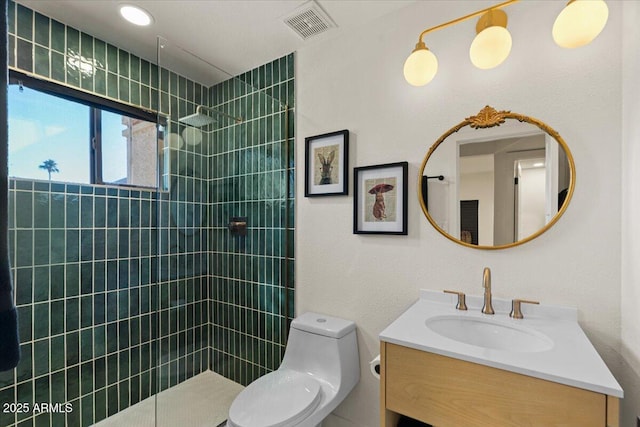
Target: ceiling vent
(309, 20)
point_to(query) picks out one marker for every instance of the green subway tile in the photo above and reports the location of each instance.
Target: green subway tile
(12, 51)
(145, 72)
(57, 353)
(86, 344)
(86, 311)
(41, 210)
(25, 314)
(72, 344)
(123, 89)
(56, 281)
(42, 29)
(112, 368)
(173, 83)
(100, 82)
(99, 336)
(72, 282)
(87, 410)
(145, 96)
(40, 357)
(23, 286)
(135, 93)
(86, 81)
(58, 393)
(24, 55)
(24, 253)
(134, 65)
(112, 59)
(123, 63)
(57, 67)
(86, 245)
(41, 284)
(40, 321)
(24, 205)
(73, 383)
(73, 76)
(100, 405)
(100, 53)
(57, 317)
(24, 22)
(24, 370)
(73, 248)
(24, 394)
(86, 46)
(112, 400)
(73, 41)
(41, 247)
(99, 314)
(72, 312)
(58, 36)
(11, 17)
(73, 417)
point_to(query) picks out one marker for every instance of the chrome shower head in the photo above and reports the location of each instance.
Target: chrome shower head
(197, 119)
(200, 119)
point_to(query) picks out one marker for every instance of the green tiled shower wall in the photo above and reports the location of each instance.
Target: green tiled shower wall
(111, 293)
(116, 300)
(251, 169)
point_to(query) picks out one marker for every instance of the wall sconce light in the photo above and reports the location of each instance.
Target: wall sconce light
(493, 43)
(577, 25)
(580, 22)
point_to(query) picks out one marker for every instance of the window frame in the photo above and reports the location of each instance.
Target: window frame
(96, 105)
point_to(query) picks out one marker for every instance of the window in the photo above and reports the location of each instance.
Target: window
(61, 134)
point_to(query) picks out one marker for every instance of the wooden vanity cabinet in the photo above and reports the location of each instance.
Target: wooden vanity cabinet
(448, 392)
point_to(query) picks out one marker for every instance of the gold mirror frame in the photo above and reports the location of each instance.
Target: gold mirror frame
(489, 117)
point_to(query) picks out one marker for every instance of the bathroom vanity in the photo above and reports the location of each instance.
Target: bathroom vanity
(452, 368)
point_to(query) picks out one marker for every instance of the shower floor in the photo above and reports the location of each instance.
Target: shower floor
(201, 401)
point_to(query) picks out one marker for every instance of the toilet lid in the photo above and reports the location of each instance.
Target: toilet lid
(278, 399)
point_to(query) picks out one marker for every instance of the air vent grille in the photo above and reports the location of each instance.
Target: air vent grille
(309, 20)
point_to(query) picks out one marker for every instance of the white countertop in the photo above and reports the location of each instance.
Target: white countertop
(571, 361)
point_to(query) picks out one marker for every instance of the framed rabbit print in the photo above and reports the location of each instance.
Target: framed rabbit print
(380, 199)
(327, 162)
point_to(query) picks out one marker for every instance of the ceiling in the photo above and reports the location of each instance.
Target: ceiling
(209, 40)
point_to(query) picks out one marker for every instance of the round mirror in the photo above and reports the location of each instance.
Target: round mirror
(496, 180)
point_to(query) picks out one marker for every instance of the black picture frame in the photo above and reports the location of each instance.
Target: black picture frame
(326, 160)
(380, 199)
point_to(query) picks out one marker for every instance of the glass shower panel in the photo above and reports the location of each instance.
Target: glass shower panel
(225, 288)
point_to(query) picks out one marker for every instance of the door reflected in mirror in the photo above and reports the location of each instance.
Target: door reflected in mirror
(496, 180)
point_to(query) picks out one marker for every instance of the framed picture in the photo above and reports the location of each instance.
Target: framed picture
(380, 199)
(327, 160)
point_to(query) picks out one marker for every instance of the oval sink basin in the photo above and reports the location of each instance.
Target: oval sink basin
(490, 334)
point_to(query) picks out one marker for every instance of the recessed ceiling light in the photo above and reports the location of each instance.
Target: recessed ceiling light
(136, 15)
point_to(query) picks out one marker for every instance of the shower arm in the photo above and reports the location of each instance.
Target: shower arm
(213, 110)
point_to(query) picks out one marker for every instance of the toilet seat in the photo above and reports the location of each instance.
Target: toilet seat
(281, 398)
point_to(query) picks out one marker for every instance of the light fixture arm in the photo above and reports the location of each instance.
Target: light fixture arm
(464, 18)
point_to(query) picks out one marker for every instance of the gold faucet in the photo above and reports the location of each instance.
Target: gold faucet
(486, 284)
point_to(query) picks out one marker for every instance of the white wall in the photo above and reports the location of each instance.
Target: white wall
(355, 81)
(631, 212)
(479, 186)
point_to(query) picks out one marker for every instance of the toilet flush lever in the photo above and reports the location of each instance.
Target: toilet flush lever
(516, 312)
(462, 305)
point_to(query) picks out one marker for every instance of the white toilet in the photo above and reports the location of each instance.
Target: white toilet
(320, 368)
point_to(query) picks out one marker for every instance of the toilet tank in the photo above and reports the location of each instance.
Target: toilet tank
(325, 347)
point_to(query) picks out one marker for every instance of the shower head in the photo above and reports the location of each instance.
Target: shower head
(197, 120)
(200, 119)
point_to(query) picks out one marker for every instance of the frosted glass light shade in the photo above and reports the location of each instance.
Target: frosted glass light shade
(420, 67)
(580, 22)
(490, 47)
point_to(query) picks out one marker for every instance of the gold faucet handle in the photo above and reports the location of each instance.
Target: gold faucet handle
(462, 304)
(516, 312)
